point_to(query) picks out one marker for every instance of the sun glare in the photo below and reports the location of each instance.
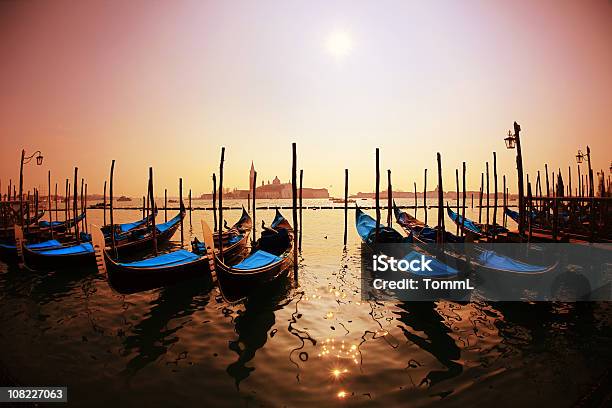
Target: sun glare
(339, 44)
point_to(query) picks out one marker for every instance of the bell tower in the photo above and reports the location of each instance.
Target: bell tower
(251, 178)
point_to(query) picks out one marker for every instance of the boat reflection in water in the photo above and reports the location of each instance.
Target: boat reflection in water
(254, 321)
(152, 337)
(422, 317)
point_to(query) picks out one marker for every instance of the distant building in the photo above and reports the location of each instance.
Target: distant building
(271, 190)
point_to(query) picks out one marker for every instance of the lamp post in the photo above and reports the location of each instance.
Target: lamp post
(579, 159)
(26, 160)
(512, 141)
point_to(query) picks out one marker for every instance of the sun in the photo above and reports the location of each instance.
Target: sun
(339, 44)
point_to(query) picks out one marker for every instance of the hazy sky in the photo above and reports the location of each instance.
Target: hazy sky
(167, 83)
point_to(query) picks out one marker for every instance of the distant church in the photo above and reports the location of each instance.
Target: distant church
(272, 190)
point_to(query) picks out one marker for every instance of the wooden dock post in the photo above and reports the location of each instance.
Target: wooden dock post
(148, 206)
(221, 203)
(457, 198)
(389, 197)
(579, 182)
(488, 193)
(144, 207)
(480, 198)
(346, 181)
(495, 191)
(591, 183)
(464, 197)
(165, 205)
(21, 219)
(66, 194)
(425, 196)
(214, 203)
(112, 222)
(529, 219)
(181, 209)
(538, 191)
(74, 205)
(440, 235)
(377, 196)
(547, 205)
(190, 208)
(505, 203)
(416, 204)
(296, 227)
(85, 210)
(49, 203)
(103, 205)
(519, 169)
(569, 174)
(56, 208)
(300, 204)
(152, 200)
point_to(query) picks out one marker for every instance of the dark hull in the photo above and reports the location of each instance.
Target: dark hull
(128, 279)
(37, 261)
(8, 255)
(250, 280)
(246, 282)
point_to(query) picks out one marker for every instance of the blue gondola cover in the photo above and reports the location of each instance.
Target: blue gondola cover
(175, 258)
(257, 260)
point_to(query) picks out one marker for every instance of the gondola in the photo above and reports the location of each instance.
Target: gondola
(172, 266)
(514, 215)
(487, 263)
(474, 229)
(8, 250)
(82, 254)
(366, 228)
(127, 227)
(271, 257)
(420, 232)
(61, 226)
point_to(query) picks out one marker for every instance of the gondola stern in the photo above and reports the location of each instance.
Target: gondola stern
(99, 246)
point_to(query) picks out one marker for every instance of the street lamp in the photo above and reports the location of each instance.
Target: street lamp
(580, 156)
(26, 160)
(579, 159)
(512, 141)
(37, 154)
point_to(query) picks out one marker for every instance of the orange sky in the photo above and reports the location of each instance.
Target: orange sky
(167, 83)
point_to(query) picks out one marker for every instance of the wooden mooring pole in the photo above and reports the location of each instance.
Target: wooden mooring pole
(296, 227)
(389, 198)
(300, 204)
(377, 195)
(346, 181)
(214, 203)
(221, 203)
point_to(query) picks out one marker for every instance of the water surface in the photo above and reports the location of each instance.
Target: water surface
(305, 343)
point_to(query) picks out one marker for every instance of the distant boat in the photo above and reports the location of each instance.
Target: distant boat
(173, 201)
(100, 205)
(341, 200)
(124, 198)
